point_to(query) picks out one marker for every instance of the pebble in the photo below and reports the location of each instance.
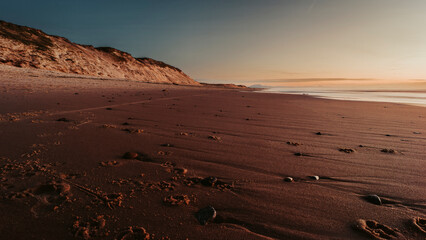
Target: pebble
(209, 181)
(288, 179)
(130, 155)
(167, 145)
(314, 177)
(205, 214)
(373, 198)
(180, 170)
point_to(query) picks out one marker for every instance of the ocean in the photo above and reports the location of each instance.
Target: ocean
(417, 98)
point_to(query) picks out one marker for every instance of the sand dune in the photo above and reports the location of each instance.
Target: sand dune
(26, 47)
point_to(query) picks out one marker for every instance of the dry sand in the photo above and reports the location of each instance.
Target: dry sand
(68, 179)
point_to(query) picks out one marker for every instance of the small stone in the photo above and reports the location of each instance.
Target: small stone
(216, 138)
(209, 181)
(388, 151)
(314, 177)
(318, 133)
(63, 120)
(167, 145)
(130, 155)
(180, 170)
(133, 130)
(288, 179)
(108, 108)
(373, 198)
(205, 214)
(347, 150)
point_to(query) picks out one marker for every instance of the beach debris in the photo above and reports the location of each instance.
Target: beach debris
(205, 214)
(373, 198)
(417, 133)
(108, 108)
(125, 124)
(133, 233)
(288, 179)
(314, 177)
(347, 150)
(293, 143)
(130, 155)
(377, 230)
(216, 138)
(176, 200)
(385, 150)
(167, 145)
(63, 120)
(209, 181)
(420, 224)
(319, 133)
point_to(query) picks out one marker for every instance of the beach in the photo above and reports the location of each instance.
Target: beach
(98, 158)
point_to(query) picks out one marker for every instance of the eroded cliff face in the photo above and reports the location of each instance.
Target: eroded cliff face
(31, 48)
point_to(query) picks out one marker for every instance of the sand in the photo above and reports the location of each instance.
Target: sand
(65, 174)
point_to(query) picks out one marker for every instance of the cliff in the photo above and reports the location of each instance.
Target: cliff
(27, 47)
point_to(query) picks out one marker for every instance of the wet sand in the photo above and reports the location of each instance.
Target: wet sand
(94, 158)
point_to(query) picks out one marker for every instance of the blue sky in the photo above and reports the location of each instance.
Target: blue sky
(232, 40)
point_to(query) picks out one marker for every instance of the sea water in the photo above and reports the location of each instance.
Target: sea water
(405, 97)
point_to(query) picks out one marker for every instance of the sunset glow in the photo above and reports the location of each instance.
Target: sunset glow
(249, 40)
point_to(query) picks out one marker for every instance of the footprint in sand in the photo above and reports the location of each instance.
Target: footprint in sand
(133, 233)
(50, 196)
(53, 192)
(378, 231)
(420, 224)
(88, 229)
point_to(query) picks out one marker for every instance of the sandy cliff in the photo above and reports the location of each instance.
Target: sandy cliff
(31, 48)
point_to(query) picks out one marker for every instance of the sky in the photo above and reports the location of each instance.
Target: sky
(245, 41)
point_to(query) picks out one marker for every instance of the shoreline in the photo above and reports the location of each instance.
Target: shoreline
(354, 98)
